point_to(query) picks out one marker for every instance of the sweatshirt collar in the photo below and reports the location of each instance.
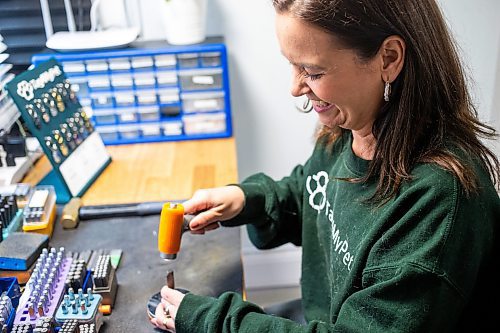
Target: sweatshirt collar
(354, 163)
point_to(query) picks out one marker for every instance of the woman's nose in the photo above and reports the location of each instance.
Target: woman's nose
(299, 86)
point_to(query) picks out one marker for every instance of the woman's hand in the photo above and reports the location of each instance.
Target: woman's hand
(167, 310)
(212, 206)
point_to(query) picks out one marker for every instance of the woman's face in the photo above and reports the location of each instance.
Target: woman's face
(344, 90)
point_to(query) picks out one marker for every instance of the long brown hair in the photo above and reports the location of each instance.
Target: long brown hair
(430, 116)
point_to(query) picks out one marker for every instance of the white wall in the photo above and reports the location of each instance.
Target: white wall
(477, 30)
(271, 136)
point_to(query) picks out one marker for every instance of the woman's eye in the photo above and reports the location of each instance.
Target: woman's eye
(312, 77)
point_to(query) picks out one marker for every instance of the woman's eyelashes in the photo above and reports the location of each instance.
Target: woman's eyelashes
(312, 77)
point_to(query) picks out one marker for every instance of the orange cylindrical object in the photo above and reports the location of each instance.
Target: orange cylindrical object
(170, 229)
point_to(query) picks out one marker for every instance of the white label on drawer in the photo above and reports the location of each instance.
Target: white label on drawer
(145, 81)
(146, 99)
(167, 79)
(150, 130)
(97, 67)
(127, 117)
(99, 83)
(74, 67)
(206, 104)
(119, 65)
(124, 99)
(203, 79)
(142, 62)
(169, 98)
(164, 61)
(122, 81)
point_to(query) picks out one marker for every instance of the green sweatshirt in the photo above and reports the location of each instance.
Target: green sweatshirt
(421, 263)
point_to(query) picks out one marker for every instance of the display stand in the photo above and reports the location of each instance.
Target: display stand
(53, 114)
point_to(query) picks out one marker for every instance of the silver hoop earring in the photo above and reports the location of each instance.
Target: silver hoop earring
(387, 91)
(306, 107)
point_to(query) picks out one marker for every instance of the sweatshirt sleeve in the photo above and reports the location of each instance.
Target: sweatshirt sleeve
(230, 314)
(272, 209)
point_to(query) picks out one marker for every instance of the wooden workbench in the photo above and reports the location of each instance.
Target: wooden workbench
(206, 265)
(157, 171)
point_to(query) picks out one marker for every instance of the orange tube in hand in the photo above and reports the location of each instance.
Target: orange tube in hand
(170, 230)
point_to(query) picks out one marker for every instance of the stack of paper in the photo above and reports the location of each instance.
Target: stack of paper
(8, 111)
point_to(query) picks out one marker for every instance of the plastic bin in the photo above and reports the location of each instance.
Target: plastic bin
(165, 61)
(149, 113)
(201, 79)
(153, 83)
(127, 115)
(210, 59)
(203, 102)
(187, 60)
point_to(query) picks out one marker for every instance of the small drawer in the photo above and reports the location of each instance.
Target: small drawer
(97, 66)
(168, 96)
(108, 133)
(99, 82)
(103, 100)
(171, 128)
(149, 113)
(165, 61)
(205, 79)
(150, 130)
(204, 123)
(203, 102)
(104, 116)
(146, 97)
(119, 64)
(129, 131)
(210, 59)
(122, 81)
(124, 99)
(142, 62)
(144, 80)
(166, 78)
(127, 115)
(187, 60)
(170, 110)
(74, 67)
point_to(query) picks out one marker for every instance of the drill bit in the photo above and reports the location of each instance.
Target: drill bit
(170, 279)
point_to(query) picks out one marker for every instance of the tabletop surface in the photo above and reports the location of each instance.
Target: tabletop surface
(207, 264)
(157, 171)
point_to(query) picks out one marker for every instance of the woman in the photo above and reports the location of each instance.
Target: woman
(396, 209)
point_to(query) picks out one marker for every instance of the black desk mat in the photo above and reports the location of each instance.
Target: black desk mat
(207, 264)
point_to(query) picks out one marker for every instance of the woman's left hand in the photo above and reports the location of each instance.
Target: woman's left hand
(167, 310)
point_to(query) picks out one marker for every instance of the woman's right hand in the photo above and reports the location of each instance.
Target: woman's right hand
(212, 206)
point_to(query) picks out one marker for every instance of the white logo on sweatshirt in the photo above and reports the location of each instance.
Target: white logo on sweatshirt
(318, 201)
(320, 189)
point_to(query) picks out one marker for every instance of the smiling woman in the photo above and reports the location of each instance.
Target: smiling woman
(396, 210)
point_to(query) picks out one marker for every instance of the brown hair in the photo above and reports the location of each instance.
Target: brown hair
(430, 117)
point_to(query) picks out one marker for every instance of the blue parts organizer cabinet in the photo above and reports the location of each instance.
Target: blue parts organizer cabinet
(53, 114)
(152, 91)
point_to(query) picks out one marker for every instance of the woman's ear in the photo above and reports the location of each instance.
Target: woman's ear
(392, 55)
